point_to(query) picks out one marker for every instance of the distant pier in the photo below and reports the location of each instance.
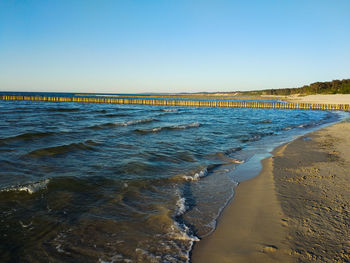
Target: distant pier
(177, 101)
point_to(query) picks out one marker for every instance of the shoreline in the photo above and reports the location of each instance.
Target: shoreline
(313, 99)
(321, 99)
(276, 216)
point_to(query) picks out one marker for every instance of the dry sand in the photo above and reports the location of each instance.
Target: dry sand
(321, 99)
(296, 210)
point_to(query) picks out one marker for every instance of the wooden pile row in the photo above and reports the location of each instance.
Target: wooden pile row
(191, 103)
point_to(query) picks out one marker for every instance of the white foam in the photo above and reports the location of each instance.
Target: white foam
(181, 206)
(181, 232)
(196, 176)
(185, 126)
(175, 127)
(59, 241)
(194, 124)
(59, 249)
(25, 226)
(30, 188)
(170, 110)
(157, 129)
(132, 122)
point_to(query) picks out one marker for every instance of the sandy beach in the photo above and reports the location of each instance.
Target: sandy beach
(296, 210)
(322, 99)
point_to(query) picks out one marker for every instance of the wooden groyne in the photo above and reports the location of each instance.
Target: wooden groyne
(191, 103)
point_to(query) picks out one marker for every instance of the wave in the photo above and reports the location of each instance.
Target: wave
(255, 136)
(19, 111)
(308, 125)
(175, 127)
(156, 129)
(116, 124)
(224, 158)
(99, 111)
(6, 150)
(26, 136)
(62, 109)
(196, 176)
(115, 115)
(170, 110)
(186, 126)
(179, 230)
(232, 150)
(181, 206)
(133, 122)
(104, 125)
(203, 172)
(252, 138)
(192, 175)
(106, 113)
(301, 126)
(63, 149)
(264, 121)
(28, 188)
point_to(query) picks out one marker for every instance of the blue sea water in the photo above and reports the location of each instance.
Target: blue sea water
(126, 183)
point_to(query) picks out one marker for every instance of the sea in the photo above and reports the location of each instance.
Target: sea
(86, 182)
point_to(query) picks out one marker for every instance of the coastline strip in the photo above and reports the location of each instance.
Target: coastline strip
(189, 103)
(296, 210)
(181, 96)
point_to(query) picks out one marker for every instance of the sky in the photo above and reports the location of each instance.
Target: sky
(136, 46)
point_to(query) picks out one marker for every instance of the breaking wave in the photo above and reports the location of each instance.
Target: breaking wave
(121, 124)
(175, 127)
(28, 188)
(196, 176)
(170, 110)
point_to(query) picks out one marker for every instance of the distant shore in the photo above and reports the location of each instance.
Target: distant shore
(319, 98)
(296, 210)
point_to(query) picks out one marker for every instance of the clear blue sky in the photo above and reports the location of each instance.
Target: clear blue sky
(171, 45)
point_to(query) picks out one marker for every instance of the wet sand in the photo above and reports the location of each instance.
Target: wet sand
(296, 210)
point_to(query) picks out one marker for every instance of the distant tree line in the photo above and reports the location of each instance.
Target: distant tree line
(329, 87)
